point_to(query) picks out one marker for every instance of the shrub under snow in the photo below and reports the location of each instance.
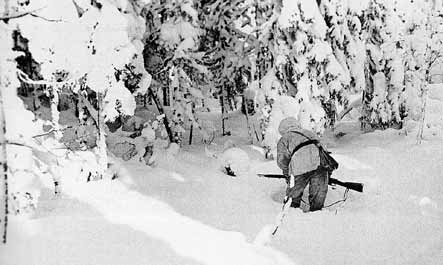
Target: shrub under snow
(236, 159)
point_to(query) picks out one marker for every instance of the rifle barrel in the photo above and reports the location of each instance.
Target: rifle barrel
(332, 181)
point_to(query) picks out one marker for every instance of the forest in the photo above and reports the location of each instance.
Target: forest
(152, 119)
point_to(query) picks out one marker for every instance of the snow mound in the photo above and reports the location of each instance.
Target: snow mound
(178, 177)
(173, 150)
(237, 159)
(427, 206)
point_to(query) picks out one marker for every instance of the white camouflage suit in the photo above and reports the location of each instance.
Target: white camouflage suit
(304, 164)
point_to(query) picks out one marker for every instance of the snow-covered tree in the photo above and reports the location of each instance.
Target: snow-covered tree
(304, 68)
(172, 54)
(403, 44)
(346, 38)
(6, 72)
(231, 41)
(423, 51)
(90, 44)
(384, 67)
(17, 164)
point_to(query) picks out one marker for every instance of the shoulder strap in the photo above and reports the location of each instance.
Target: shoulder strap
(326, 160)
(305, 143)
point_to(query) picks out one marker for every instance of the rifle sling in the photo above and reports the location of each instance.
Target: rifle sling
(308, 142)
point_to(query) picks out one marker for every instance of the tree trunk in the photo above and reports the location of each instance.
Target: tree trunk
(55, 114)
(245, 106)
(165, 91)
(3, 174)
(161, 111)
(423, 107)
(224, 116)
(190, 134)
(101, 139)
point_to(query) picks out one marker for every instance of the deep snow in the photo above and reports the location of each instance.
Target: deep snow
(186, 211)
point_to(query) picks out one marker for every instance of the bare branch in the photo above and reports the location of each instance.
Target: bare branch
(19, 144)
(80, 10)
(51, 131)
(21, 14)
(47, 19)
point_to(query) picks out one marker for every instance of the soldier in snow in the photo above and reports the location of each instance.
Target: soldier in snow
(298, 156)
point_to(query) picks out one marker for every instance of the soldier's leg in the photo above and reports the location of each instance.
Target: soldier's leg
(296, 192)
(318, 188)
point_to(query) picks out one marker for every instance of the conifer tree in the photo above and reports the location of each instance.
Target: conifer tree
(382, 106)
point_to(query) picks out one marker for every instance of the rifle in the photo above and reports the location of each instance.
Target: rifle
(332, 181)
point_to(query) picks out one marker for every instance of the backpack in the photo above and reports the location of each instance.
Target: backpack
(327, 162)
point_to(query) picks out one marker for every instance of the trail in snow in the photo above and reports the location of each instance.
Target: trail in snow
(187, 237)
(65, 231)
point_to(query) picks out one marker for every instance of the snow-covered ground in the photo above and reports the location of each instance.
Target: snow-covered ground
(186, 211)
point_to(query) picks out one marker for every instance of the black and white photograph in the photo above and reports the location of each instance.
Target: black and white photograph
(221, 132)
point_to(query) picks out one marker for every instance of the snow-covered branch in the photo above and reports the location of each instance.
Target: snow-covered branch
(26, 79)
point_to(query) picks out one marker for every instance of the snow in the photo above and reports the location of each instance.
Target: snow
(97, 52)
(172, 33)
(350, 163)
(310, 10)
(237, 159)
(118, 93)
(436, 92)
(178, 177)
(186, 6)
(148, 133)
(433, 120)
(320, 51)
(186, 211)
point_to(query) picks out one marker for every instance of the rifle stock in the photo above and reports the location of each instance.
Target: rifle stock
(350, 185)
(332, 181)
